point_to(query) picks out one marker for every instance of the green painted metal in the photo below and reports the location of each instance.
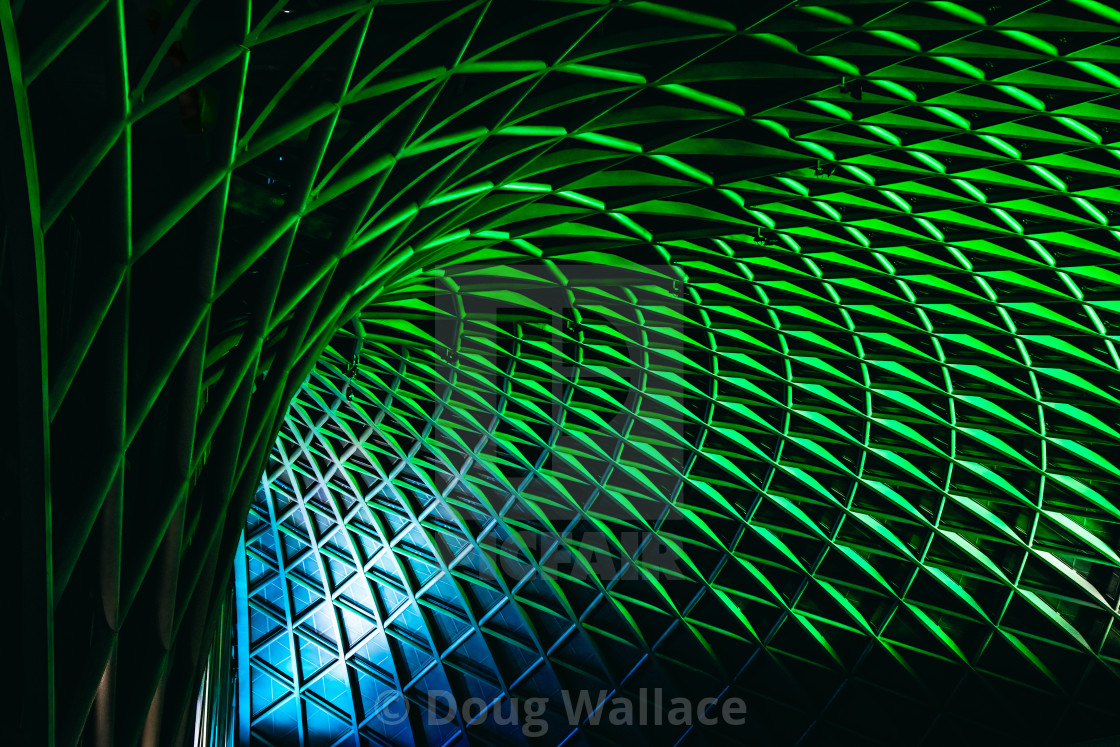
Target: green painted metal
(876, 329)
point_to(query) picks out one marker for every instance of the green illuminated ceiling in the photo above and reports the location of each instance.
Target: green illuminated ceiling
(840, 282)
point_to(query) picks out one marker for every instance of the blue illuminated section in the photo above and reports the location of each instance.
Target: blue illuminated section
(371, 614)
(326, 612)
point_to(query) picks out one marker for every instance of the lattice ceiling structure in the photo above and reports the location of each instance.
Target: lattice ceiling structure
(819, 302)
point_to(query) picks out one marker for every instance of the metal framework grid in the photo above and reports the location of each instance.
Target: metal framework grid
(890, 227)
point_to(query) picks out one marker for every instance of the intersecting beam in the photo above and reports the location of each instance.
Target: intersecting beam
(27, 439)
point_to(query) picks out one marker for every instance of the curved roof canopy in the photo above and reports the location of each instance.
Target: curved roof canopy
(755, 351)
